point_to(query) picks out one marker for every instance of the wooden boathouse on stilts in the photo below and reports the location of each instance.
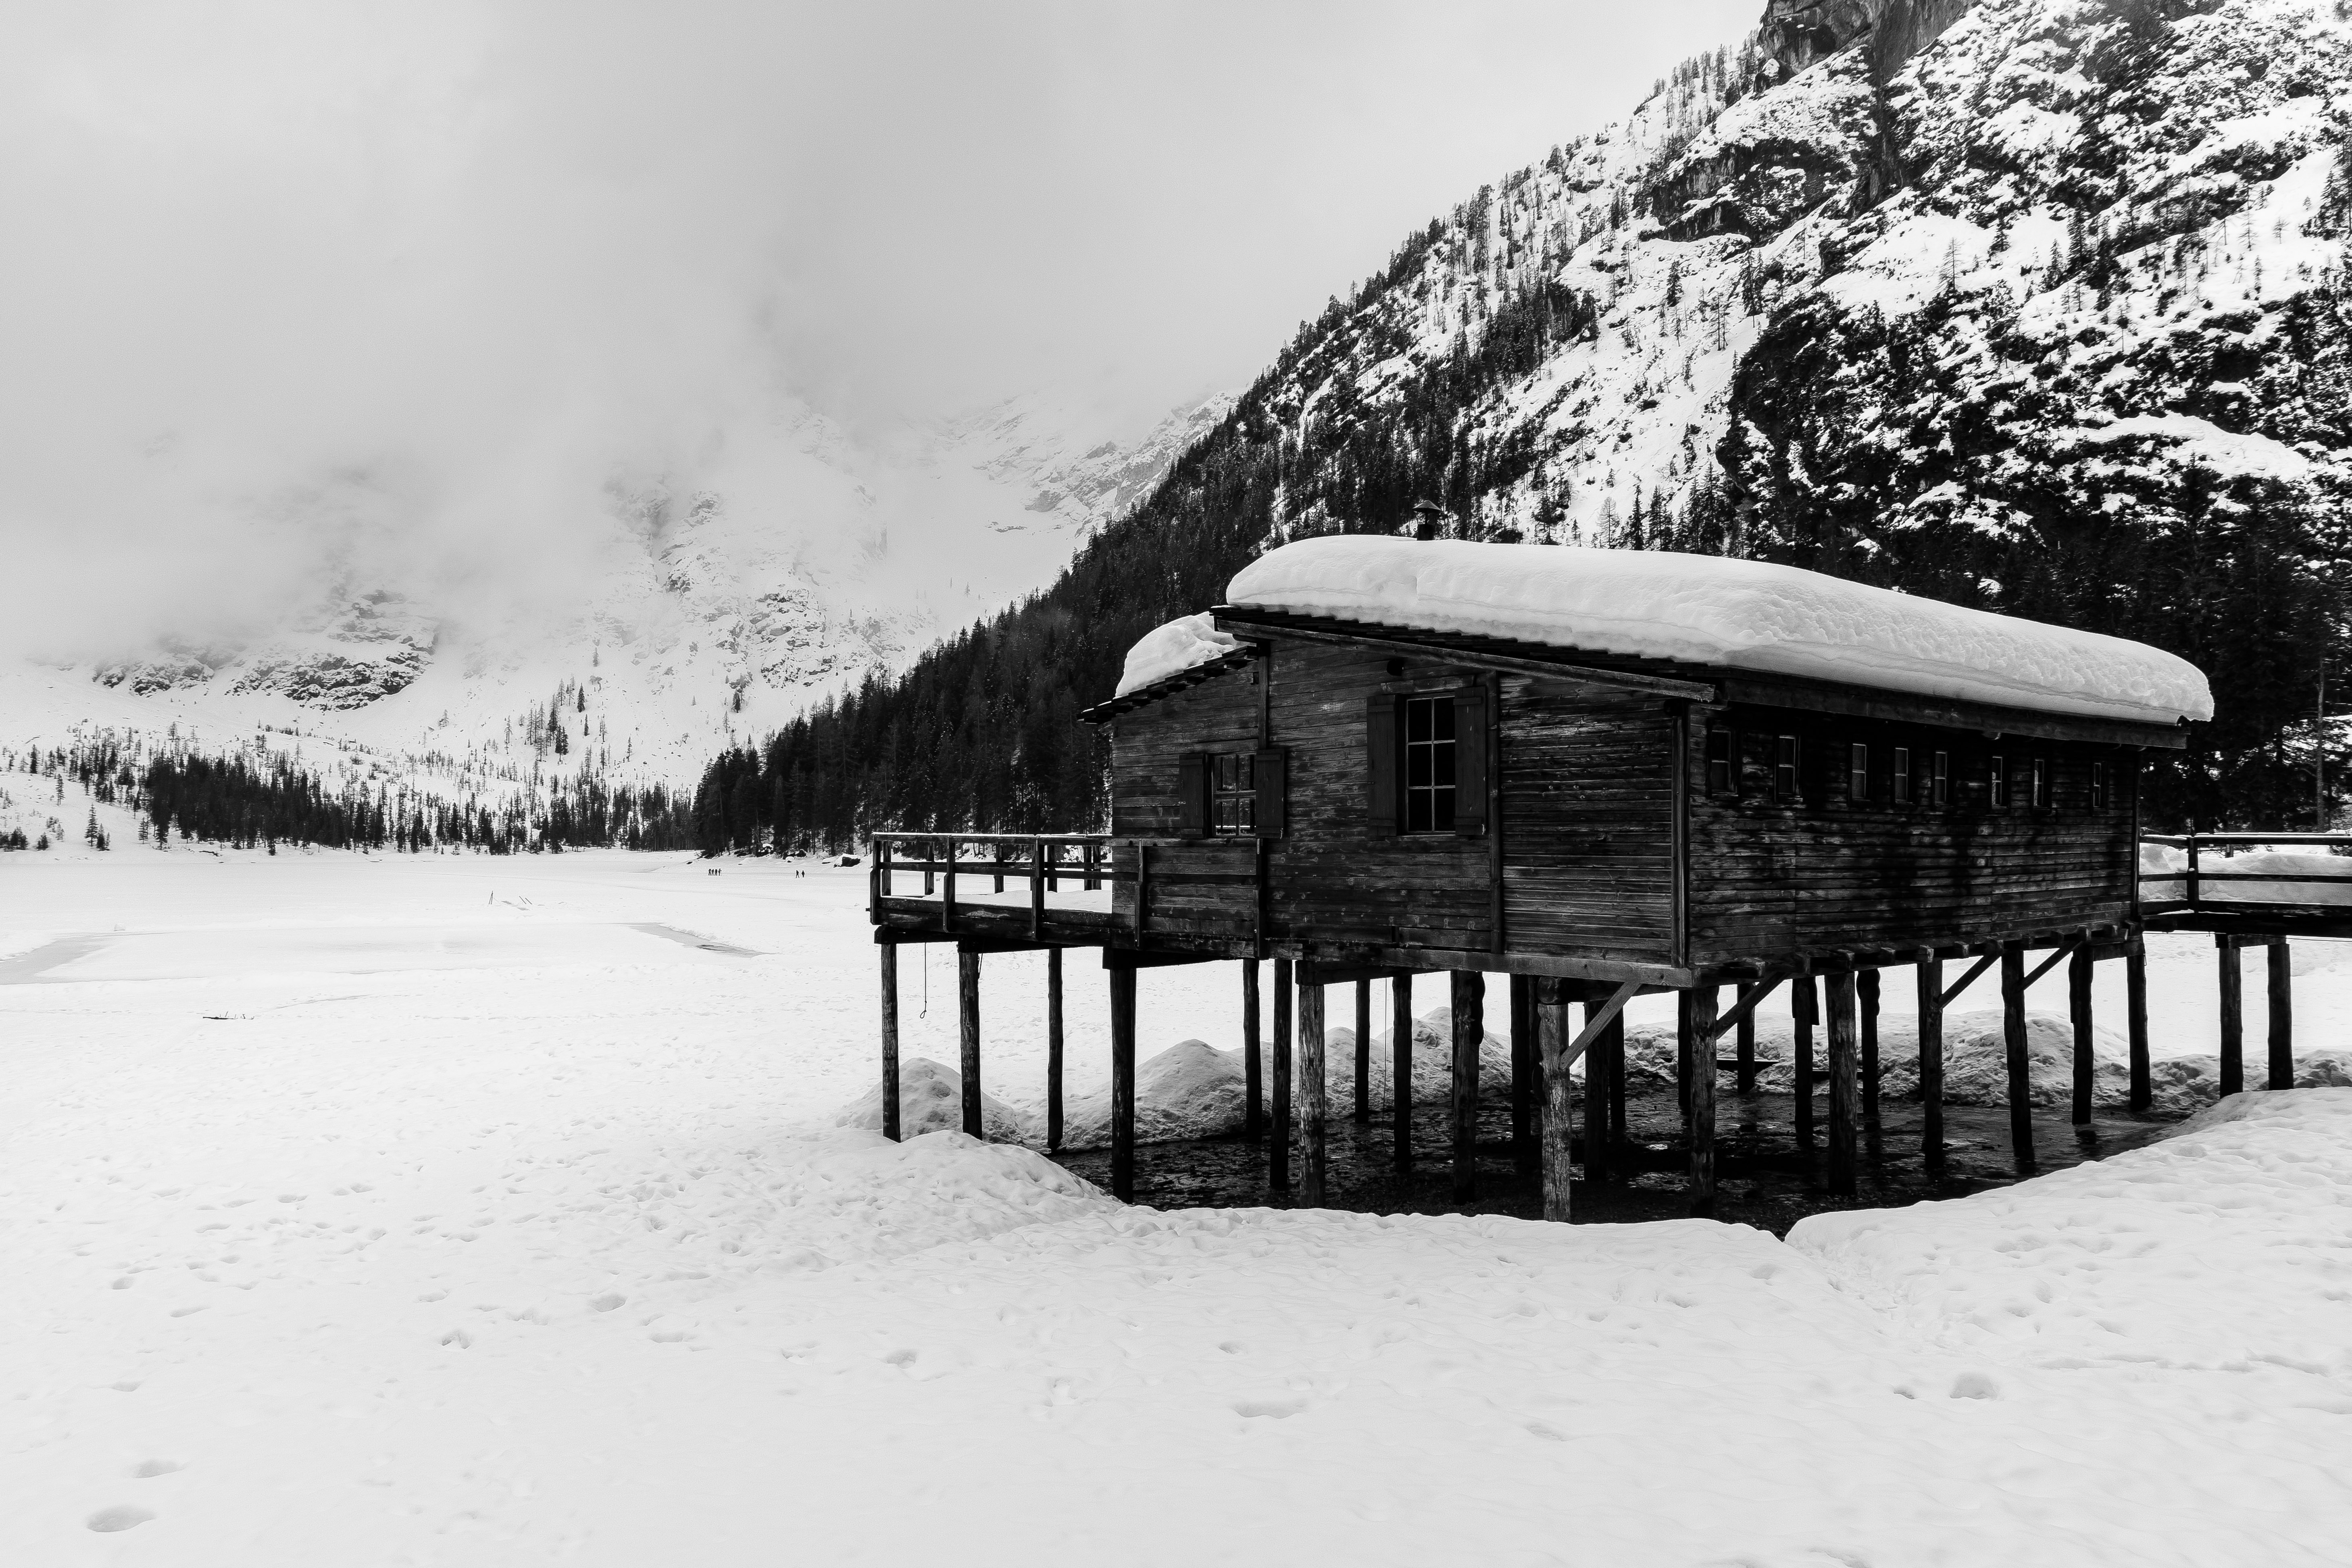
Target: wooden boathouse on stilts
(1598, 775)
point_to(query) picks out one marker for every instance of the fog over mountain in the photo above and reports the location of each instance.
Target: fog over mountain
(452, 303)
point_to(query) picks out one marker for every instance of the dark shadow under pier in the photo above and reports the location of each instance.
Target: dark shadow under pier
(1761, 1177)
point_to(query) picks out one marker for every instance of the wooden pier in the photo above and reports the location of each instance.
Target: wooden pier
(1361, 805)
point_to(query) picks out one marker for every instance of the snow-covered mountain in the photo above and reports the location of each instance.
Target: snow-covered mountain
(2033, 305)
(683, 613)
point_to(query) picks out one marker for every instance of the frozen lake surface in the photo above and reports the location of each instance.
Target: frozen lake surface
(465, 1211)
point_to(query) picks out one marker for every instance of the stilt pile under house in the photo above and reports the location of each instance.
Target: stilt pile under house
(1599, 774)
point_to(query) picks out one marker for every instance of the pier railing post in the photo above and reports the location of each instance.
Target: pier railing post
(2078, 1014)
(1469, 1040)
(1363, 1050)
(1865, 993)
(890, 1129)
(1277, 1148)
(2143, 1089)
(1053, 1049)
(1701, 1099)
(1313, 1093)
(1400, 1065)
(1252, 1056)
(1526, 1076)
(1746, 1079)
(1552, 1039)
(1122, 1078)
(1804, 1012)
(1931, 1059)
(2233, 1014)
(2281, 997)
(968, 1033)
(2019, 1063)
(1845, 1074)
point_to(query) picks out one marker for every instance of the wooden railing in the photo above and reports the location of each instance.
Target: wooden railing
(1045, 861)
(2195, 880)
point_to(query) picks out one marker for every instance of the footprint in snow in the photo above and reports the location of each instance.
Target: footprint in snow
(609, 1300)
(147, 1468)
(1274, 1409)
(122, 1516)
(1975, 1385)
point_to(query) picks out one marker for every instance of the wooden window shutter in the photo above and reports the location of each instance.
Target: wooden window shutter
(1470, 760)
(1383, 744)
(1191, 795)
(1272, 765)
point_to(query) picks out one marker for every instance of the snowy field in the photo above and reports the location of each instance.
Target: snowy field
(467, 1211)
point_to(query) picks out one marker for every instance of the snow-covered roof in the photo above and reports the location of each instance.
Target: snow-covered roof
(1737, 615)
(1172, 649)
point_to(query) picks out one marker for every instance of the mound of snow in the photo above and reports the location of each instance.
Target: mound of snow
(930, 1100)
(1433, 1062)
(1190, 1090)
(1976, 1063)
(1711, 610)
(1173, 648)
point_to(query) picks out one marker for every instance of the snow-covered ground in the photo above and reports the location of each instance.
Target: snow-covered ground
(472, 1211)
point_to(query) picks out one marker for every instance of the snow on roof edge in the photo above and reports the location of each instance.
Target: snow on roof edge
(1725, 613)
(1171, 648)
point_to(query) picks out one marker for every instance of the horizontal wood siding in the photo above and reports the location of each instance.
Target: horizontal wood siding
(1588, 821)
(1219, 715)
(1333, 878)
(1821, 872)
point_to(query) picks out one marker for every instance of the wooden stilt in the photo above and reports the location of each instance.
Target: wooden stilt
(1804, 1012)
(1400, 1065)
(1845, 1086)
(2233, 1016)
(1599, 1141)
(1469, 1037)
(889, 951)
(1052, 1048)
(2078, 1013)
(1746, 1036)
(1527, 1075)
(1866, 995)
(1277, 1148)
(1931, 1058)
(1253, 1065)
(2281, 978)
(2143, 1089)
(2020, 1066)
(1122, 1083)
(1613, 1037)
(1363, 1050)
(1552, 1039)
(1313, 1105)
(968, 1031)
(1702, 1012)
(1682, 1053)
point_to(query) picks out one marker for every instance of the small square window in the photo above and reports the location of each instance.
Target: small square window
(1233, 795)
(1998, 778)
(1857, 773)
(1901, 792)
(2098, 786)
(1784, 767)
(1722, 769)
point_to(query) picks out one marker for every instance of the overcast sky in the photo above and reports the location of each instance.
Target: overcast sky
(465, 246)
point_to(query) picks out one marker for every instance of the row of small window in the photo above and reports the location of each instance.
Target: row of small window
(1915, 778)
